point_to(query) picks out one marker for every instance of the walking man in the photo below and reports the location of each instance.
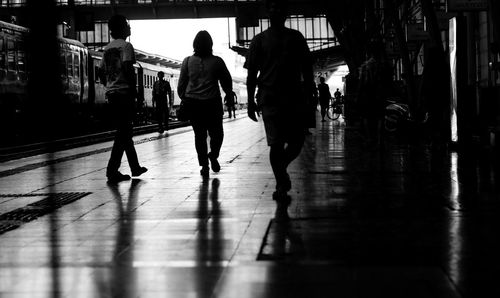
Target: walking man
(161, 94)
(116, 71)
(279, 65)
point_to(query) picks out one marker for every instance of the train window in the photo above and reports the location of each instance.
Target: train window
(69, 61)
(84, 63)
(96, 74)
(2, 54)
(11, 55)
(21, 59)
(77, 65)
(62, 64)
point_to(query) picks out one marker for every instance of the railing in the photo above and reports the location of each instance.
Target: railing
(20, 3)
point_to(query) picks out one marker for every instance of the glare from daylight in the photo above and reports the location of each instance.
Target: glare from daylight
(174, 39)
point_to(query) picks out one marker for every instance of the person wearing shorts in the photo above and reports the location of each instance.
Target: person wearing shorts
(279, 66)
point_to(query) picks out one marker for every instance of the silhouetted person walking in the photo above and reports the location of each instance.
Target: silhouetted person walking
(338, 96)
(279, 64)
(230, 102)
(161, 94)
(199, 86)
(324, 97)
(116, 72)
(374, 86)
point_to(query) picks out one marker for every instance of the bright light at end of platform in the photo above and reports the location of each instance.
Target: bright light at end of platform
(174, 39)
(336, 80)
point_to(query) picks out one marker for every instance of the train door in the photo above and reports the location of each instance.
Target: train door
(139, 74)
(84, 86)
(91, 80)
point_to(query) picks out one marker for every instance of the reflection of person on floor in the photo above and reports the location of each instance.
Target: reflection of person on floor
(122, 269)
(279, 64)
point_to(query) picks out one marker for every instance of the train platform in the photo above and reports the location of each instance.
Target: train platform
(403, 220)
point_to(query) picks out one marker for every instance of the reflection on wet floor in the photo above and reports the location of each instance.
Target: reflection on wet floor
(399, 221)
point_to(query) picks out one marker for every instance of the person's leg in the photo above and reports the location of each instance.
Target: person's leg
(292, 150)
(200, 141)
(120, 120)
(115, 157)
(216, 133)
(126, 134)
(159, 118)
(278, 164)
(166, 116)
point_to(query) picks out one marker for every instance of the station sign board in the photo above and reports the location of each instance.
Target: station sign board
(467, 5)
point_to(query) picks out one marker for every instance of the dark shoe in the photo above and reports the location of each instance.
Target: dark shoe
(139, 171)
(205, 171)
(117, 177)
(214, 163)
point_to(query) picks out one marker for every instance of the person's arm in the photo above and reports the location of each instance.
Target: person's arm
(252, 72)
(128, 66)
(251, 86)
(101, 72)
(183, 79)
(226, 81)
(307, 70)
(169, 94)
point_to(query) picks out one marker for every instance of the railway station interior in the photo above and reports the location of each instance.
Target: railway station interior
(415, 215)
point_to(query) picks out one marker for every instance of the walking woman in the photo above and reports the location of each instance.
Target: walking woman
(198, 86)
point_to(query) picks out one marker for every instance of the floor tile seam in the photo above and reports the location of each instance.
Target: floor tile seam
(244, 233)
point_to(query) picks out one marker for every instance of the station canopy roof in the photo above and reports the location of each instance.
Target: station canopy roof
(157, 59)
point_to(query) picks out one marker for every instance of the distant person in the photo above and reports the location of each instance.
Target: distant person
(338, 96)
(324, 97)
(230, 102)
(161, 94)
(116, 72)
(199, 86)
(279, 64)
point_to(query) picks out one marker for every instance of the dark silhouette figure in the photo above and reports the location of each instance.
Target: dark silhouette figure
(161, 94)
(436, 95)
(337, 95)
(324, 97)
(374, 86)
(116, 71)
(280, 57)
(199, 85)
(230, 102)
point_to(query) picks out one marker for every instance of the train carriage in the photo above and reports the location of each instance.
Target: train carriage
(84, 108)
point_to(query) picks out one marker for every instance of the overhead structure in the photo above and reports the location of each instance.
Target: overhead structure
(157, 59)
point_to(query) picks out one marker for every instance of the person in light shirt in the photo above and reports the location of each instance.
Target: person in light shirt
(198, 85)
(116, 72)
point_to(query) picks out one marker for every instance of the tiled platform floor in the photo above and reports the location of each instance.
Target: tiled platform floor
(400, 222)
